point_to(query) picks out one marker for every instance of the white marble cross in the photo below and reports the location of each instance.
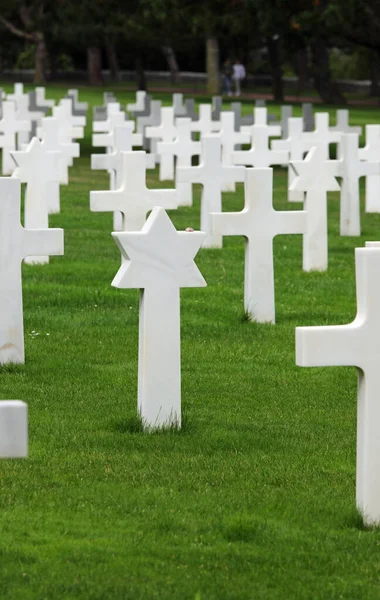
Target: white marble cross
(260, 117)
(259, 223)
(48, 132)
(114, 119)
(76, 122)
(166, 132)
(13, 429)
(183, 148)
(120, 140)
(343, 124)
(230, 139)
(67, 131)
(205, 125)
(322, 134)
(139, 104)
(23, 113)
(159, 261)
(9, 127)
(37, 167)
(316, 176)
(296, 146)
(133, 198)
(371, 153)
(357, 345)
(213, 175)
(259, 155)
(16, 243)
(351, 169)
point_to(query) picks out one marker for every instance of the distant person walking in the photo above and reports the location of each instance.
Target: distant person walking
(227, 74)
(238, 75)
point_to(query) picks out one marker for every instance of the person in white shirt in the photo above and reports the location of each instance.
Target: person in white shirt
(238, 75)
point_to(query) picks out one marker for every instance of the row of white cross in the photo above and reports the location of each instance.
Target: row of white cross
(159, 260)
(43, 165)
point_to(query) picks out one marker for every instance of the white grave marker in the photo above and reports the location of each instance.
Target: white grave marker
(205, 125)
(13, 429)
(9, 127)
(16, 243)
(259, 155)
(133, 198)
(50, 139)
(183, 148)
(259, 223)
(159, 260)
(371, 153)
(351, 169)
(357, 345)
(37, 167)
(230, 139)
(295, 145)
(166, 132)
(316, 176)
(213, 176)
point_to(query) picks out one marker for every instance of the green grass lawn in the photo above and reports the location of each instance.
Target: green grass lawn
(254, 498)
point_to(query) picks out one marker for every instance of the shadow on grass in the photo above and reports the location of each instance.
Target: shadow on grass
(355, 520)
(15, 368)
(134, 425)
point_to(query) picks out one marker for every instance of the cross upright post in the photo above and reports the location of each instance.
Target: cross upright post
(17, 243)
(356, 345)
(259, 223)
(351, 169)
(183, 148)
(212, 175)
(133, 198)
(315, 176)
(371, 153)
(159, 261)
(13, 429)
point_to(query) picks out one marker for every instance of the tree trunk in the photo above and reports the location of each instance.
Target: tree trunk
(212, 65)
(275, 60)
(113, 63)
(374, 69)
(94, 65)
(40, 59)
(302, 70)
(140, 73)
(324, 85)
(171, 59)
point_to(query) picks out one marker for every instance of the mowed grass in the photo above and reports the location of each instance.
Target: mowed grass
(254, 498)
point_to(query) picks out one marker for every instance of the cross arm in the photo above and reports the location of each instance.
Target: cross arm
(103, 161)
(107, 200)
(190, 174)
(38, 242)
(290, 221)
(243, 157)
(228, 223)
(163, 198)
(335, 345)
(102, 140)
